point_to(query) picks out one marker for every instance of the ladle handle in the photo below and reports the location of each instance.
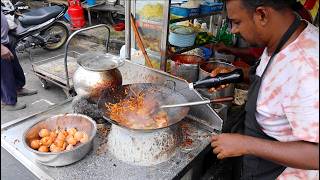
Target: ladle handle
(223, 99)
(218, 100)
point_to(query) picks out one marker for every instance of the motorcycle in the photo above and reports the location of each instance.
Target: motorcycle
(43, 27)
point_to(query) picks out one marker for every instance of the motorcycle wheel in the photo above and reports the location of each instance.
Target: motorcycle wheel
(58, 33)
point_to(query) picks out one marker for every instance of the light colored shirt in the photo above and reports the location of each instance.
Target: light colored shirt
(4, 29)
(288, 101)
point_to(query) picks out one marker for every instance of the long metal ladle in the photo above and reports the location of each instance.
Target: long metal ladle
(218, 100)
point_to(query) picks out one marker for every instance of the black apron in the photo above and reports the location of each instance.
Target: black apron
(255, 168)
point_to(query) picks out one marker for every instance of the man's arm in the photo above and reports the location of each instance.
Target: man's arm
(249, 55)
(298, 154)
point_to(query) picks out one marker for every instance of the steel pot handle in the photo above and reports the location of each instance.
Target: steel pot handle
(69, 39)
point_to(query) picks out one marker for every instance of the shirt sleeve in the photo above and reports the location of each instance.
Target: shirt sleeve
(301, 104)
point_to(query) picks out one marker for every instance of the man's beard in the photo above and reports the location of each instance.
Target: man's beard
(253, 44)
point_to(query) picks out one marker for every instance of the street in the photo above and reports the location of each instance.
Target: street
(12, 169)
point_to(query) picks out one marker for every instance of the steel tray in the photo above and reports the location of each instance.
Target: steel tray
(53, 68)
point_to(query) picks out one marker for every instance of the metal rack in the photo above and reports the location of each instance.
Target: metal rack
(164, 44)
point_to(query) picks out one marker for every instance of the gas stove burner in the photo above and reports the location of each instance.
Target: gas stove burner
(82, 105)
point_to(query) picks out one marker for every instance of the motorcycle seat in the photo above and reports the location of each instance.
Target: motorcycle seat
(39, 16)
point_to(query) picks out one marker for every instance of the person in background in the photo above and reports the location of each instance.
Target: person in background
(278, 134)
(12, 76)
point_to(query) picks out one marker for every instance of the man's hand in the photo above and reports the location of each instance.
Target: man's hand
(221, 48)
(229, 145)
(6, 53)
(295, 154)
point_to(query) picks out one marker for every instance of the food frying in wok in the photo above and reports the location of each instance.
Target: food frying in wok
(138, 112)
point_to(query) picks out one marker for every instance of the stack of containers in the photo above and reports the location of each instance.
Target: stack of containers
(190, 8)
(209, 6)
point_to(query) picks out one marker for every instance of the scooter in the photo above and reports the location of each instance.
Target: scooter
(43, 27)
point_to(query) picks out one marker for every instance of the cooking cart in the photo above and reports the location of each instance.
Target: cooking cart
(59, 69)
(99, 163)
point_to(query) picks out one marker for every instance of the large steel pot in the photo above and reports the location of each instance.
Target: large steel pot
(78, 121)
(204, 72)
(96, 72)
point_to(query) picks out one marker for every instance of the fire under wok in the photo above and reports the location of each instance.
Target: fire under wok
(137, 106)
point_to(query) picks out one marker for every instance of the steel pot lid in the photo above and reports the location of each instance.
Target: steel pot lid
(99, 61)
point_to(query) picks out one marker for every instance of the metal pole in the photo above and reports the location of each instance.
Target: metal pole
(127, 29)
(133, 11)
(164, 35)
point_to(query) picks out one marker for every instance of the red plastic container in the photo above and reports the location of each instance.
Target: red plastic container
(119, 26)
(75, 12)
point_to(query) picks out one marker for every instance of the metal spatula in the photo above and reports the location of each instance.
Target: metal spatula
(218, 100)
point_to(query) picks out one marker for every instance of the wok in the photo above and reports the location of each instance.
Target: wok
(161, 93)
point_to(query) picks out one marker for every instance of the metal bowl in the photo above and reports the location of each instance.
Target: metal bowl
(66, 157)
(186, 66)
(205, 70)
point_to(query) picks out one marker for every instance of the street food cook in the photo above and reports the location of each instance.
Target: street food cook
(277, 136)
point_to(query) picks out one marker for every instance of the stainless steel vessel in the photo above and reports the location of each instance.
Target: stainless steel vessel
(96, 72)
(78, 121)
(186, 66)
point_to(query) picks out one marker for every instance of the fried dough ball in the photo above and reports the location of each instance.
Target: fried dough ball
(53, 134)
(69, 147)
(54, 148)
(46, 141)
(84, 138)
(61, 136)
(43, 149)
(71, 140)
(59, 142)
(64, 145)
(64, 132)
(72, 131)
(35, 144)
(44, 133)
(78, 135)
